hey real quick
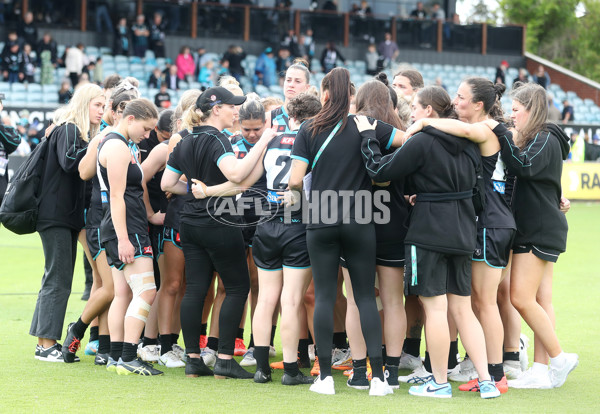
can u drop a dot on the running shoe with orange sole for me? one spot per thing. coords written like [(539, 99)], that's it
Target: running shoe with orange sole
[(473, 385), (348, 372), (316, 369), (239, 348), (279, 364)]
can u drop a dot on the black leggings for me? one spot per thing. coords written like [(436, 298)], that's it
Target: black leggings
[(356, 242), (207, 250)]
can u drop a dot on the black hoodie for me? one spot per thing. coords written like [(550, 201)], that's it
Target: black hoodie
[(536, 200), (436, 163)]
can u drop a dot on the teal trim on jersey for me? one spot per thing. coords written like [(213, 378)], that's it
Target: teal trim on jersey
[(227, 132), (296, 157), (392, 136), (296, 267), (269, 270), (175, 170), (223, 156)]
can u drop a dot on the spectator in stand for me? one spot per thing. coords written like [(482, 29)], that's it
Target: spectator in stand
[(200, 59), (554, 114), (171, 78), (185, 64), (47, 43), (65, 93), (309, 44), (29, 63), (290, 41), (84, 79), (103, 16), (330, 56), (121, 46), (162, 99), (364, 27), (156, 79), (568, 114), (140, 36), (330, 5), (265, 69), (437, 13), (12, 63), (74, 63), (372, 60), (283, 62), (389, 50), (523, 77), (501, 73), (157, 35), (97, 73), (208, 75), (235, 55), (419, 13), (541, 77), (27, 30)]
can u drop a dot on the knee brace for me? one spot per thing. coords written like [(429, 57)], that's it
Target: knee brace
[(139, 283)]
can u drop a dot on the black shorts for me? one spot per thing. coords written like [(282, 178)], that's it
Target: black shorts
[(277, 245), (156, 236), (430, 273), (141, 244), (493, 246), (248, 233), (544, 253), (172, 235), (92, 237), (388, 254)]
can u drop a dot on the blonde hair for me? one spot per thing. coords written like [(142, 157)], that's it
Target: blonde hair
[(78, 110), (271, 102), (187, 100), (231, 84)]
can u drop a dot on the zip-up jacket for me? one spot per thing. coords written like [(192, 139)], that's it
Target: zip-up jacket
[(62, 198), (536, 200)]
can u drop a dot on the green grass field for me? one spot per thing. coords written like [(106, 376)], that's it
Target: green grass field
[(27, 385)]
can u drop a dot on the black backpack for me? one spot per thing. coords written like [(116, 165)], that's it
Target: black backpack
[(20, 206)]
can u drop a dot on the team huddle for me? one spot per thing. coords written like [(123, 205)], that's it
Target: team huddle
[(427, 211)]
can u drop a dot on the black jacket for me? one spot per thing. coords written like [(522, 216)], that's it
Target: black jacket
[(435, 163), (62, 197), (9, 141), (536, 200)]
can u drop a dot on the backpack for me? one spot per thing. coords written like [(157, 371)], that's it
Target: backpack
[(19, 209)]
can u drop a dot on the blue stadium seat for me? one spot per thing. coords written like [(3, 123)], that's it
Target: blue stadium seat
[(50, 89), (106, 50), (4, 87), (17, 87), (195, 85), (135, 59), (16, 96), (121, 58), (34, 87), (35, 97), (149, 55)]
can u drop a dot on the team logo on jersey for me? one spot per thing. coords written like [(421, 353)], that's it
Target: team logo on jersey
[(288, 140), (148, 250), (499, 186), (281, 128), (213, 98), (177, 238)]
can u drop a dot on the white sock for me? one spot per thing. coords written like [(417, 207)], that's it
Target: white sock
[(559, 360), (538, 368)]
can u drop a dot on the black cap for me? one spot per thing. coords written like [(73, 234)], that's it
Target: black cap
[(217, 96)]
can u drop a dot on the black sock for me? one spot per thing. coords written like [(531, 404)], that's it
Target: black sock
[(240, 333), (79, 328), (291, 368), (452, 354), (129, 352), (273, 329), (412, 346), (149, 341), (377, 367), (310, 339), (496, 371), (251, 344), (213, 343), (166, 343), (359, 368), (116, 350), (511, 356), (174, 338), (427, 362), (303, 350), (94, 333), (383, 352), (359, 363), (103, 344), (203, 328), (392, 361), (261, 354), (339, 340)]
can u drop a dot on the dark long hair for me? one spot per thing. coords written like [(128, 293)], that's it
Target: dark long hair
[(373, 99), (337, 83), (438, 98), (489, 93)]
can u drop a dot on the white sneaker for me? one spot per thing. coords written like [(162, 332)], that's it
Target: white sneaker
[(380, 388), (171, 360), (512, 369), (149, 353), (408, 361), (523, 358), (209, 356), (530, 379), (339, 356), (465, 373), (323, 386), (558, 374), (179, 351), (311, 352), (418, 376), (51, 354), (248, 359), (272, 351)]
